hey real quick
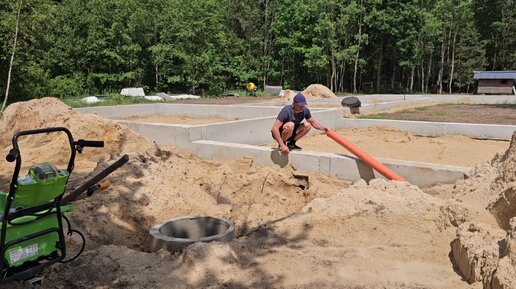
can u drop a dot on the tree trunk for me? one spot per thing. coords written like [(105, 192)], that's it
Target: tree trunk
[(494, 59), (12, 56), (342, 75), (422, 75), (412, 79), (379, 68), (393, 75), (441, 68), (429, 72), (448, 49), (266, 44), (452, 62), (355, 71), (157, 77), (358, 53), (333, 78)]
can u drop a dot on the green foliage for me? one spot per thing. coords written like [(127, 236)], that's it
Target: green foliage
[(67, 85), (85, 47), (373, 116), (421, 108), (508, 106)]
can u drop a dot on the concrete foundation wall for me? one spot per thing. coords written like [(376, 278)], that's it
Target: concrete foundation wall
[(333, 165), (176, 135), (245, 131), (383, 102), (230, 112), (122, 111), (423, 128)]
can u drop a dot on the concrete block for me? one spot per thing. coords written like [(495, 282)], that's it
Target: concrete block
[(273, 90), (132, 91)]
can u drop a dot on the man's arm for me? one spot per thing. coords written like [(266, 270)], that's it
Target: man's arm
[(315, 124), (277, 136)]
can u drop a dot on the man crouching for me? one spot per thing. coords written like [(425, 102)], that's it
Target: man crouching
[(289, 126)]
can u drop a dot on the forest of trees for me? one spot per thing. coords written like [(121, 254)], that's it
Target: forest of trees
[(68, 48)]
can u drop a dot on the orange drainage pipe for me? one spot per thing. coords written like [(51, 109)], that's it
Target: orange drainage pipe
[(370, 161)]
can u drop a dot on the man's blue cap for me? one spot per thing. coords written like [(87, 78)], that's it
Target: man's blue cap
[(300, 99)]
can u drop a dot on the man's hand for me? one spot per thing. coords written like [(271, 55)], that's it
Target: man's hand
[(284, 149)]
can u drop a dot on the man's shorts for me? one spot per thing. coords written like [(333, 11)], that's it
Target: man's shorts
[(296, 126)]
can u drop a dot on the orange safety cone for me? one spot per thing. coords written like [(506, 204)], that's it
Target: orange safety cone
[(370, 161)]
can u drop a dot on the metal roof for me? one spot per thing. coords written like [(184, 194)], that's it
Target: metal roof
[(509, 74)]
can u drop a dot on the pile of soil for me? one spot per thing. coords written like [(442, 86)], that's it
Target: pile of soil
[(318, 91), (54, 147), (484, 251), (313, 91), (293, 230)]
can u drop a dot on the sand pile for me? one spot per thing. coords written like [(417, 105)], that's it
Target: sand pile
[(288, 95), (482, 252), (313, 91), (318, 91), (51, 112), (492, 186), (366, 236), (152, 189)]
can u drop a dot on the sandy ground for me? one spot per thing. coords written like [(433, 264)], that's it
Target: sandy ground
[(389, 143), (174, 119), (293, 230)]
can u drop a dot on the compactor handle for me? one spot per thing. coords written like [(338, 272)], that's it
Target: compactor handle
[(12, 155), (90, 143), (97, 178)]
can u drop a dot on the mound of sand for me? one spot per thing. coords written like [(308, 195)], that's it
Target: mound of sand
[(288, 95), (365, 236), (313, 91), (477, 248), (492, 186), (318, 91), (54, 147)]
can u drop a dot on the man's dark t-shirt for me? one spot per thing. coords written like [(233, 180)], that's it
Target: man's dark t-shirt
[(287, 114)]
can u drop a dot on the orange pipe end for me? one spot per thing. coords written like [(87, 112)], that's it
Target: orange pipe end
[(363, 156)]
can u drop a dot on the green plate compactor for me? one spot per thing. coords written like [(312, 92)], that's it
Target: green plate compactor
[(32, 234)]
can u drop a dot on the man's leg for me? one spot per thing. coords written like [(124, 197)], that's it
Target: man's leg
[(287, 131), (302, 130)]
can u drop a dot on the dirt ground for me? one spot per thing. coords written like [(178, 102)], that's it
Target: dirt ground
[(174, 119), (389, 143), (463, 113), (293, 230), (229, 100)]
